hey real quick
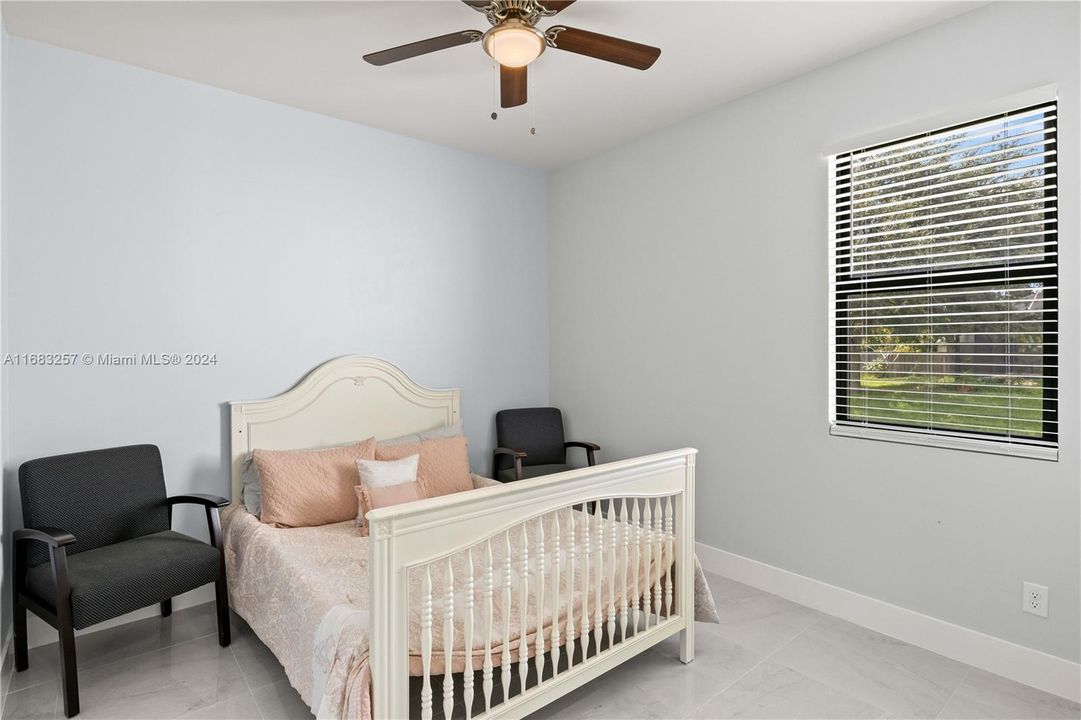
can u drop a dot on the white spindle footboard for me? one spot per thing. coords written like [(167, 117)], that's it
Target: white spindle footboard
[(555, 579)]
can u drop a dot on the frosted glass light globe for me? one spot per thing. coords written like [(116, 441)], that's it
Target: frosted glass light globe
[(514, 44)]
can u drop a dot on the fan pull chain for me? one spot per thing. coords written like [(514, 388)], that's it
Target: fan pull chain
[(495, 89), (532, 77)]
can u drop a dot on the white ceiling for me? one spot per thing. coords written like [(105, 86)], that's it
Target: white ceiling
[(308, 55)]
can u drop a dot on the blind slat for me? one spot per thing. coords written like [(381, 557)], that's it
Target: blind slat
[(945, 428), (997, 333), (951, 303), (881, 392), (858, 319), (882, 411), (956, 264), (926, 242), (992, 440), (934, 376), (944, 280), (926, 353)]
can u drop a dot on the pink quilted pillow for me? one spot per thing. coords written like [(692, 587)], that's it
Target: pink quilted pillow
[(371, 498), (444, 463), (304, 488)]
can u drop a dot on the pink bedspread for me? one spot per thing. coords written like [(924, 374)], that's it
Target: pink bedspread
[(304, 591)]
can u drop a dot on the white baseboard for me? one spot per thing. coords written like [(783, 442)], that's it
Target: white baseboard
[(1040, 670), (39, 632)]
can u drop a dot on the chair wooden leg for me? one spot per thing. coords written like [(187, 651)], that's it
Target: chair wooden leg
[(167, 607), (221, 593), (22, 653), (68, 672)]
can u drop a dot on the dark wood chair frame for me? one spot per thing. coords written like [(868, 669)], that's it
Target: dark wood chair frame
[(519, 455), (61, 619)]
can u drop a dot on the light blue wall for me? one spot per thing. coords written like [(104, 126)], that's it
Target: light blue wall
[(152, 214)]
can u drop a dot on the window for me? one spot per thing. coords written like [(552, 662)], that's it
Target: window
[(944, 281)]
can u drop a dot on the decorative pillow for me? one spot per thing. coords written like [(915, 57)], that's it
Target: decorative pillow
[(433, 434), (382, 473), (444, 464), (250, 490), (303, 488), (370, 498), (375, 474), (483, 482)]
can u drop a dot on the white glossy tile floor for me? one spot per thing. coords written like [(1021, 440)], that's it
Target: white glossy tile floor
[(769, 658)]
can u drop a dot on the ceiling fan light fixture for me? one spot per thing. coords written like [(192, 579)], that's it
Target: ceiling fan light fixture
[(513, 43)]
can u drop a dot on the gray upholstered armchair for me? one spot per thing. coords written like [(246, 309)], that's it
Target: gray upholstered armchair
[(98, 544), (531, 443)]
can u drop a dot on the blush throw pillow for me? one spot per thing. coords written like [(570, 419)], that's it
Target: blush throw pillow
[(378, 474), (304, 488), (444, 463), (370, 498)]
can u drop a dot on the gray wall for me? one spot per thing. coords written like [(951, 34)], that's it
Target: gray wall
[(151, 214), (688, 307)]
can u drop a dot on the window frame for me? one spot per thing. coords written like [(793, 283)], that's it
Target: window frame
[(1004, 275)]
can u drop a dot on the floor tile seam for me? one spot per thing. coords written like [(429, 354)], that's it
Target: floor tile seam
[(111, 662), (244, 677), (751, 669), (771, 657), (964, 676), (890, 662)]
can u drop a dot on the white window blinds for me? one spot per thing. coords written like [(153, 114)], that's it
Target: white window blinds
[(944, 312)]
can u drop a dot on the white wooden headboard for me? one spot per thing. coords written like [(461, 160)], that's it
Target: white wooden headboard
[(346, 399)]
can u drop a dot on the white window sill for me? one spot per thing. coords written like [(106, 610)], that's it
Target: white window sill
[(996, 447)]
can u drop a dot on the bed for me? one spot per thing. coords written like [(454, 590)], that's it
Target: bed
[(487, 603)]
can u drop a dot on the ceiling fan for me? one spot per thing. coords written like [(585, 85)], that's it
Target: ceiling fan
[(513, 41)]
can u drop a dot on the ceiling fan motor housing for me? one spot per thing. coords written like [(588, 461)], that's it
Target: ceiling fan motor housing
[(528, 11)]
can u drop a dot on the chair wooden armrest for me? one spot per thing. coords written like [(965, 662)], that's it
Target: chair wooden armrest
[(212, 503), (590, 449), (199, 499), (53, 537), (518, 455)]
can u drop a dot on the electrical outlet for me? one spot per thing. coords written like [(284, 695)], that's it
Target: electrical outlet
[(1034, 599)]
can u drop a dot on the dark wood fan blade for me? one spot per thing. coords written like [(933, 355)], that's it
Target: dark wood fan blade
[(603, 47), (556, 6), (512, 86), (423, 47)]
